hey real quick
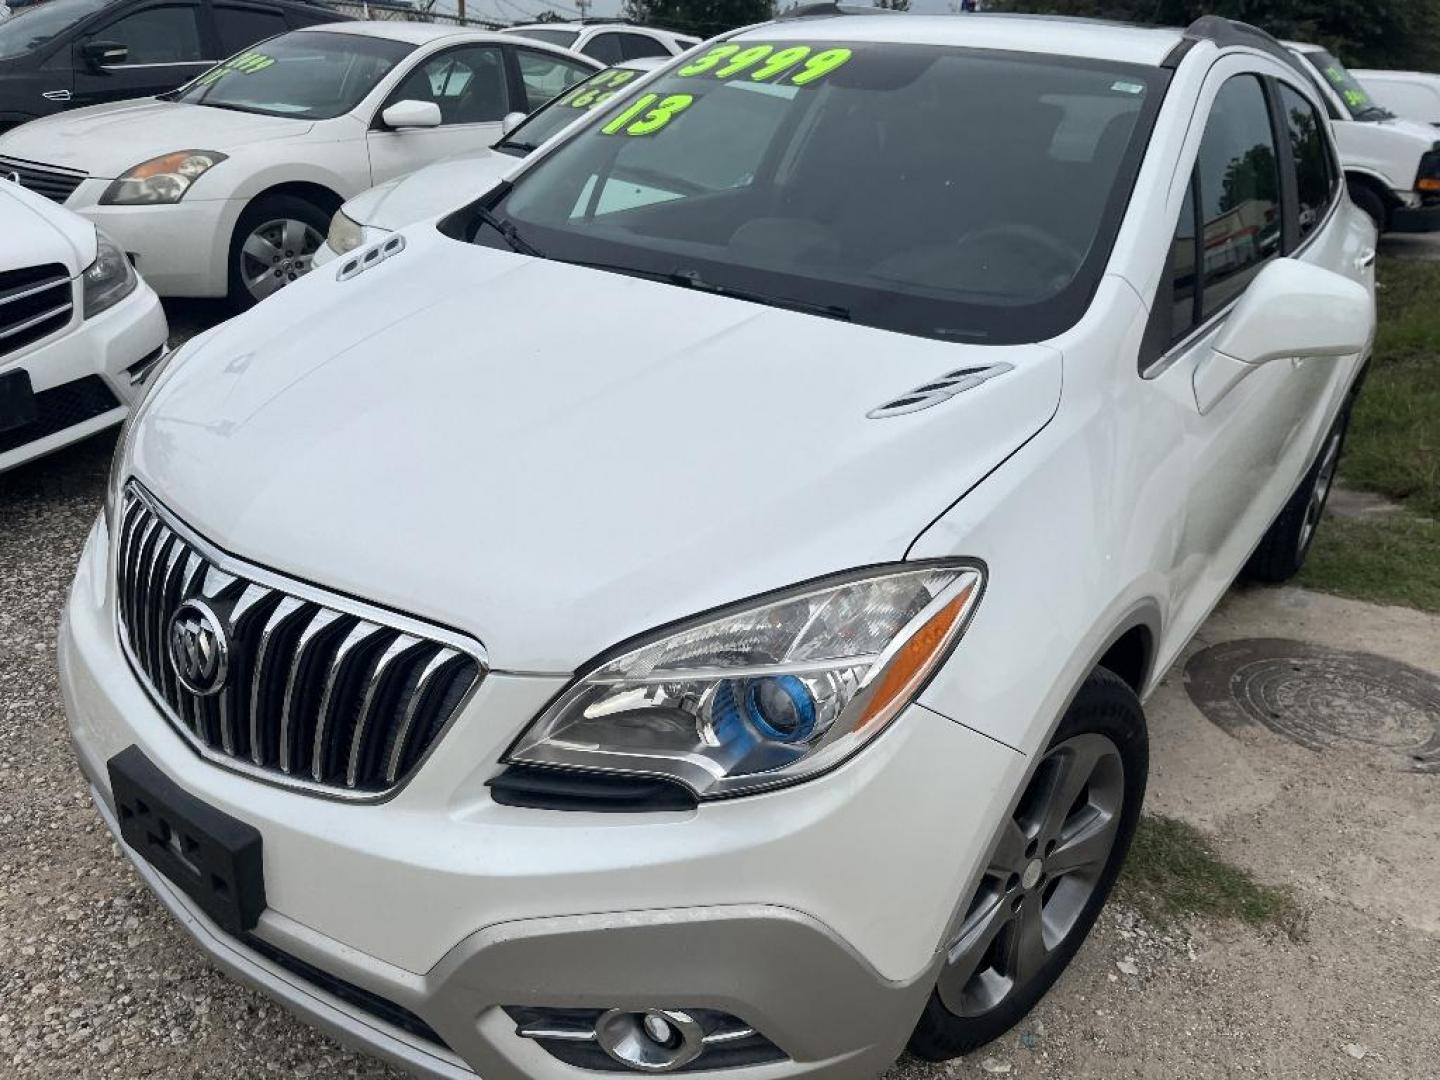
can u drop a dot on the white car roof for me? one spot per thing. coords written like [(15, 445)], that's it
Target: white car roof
[(1087, 38), (578, 27), (413, 32)]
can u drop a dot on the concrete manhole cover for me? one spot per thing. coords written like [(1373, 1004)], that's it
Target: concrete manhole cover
[(1321, 698)]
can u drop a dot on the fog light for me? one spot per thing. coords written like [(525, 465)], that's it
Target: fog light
[(657, 1040)]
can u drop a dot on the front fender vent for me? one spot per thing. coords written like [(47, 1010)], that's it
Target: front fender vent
[(938, 390)]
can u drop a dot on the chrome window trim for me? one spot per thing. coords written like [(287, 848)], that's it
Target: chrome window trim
[(226, 563)]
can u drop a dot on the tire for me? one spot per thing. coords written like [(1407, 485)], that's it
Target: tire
[(1371, 201), (260, 236), (1101, 741), (1287, 542)]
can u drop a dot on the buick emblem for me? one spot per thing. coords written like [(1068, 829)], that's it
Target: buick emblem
[(199, 648)]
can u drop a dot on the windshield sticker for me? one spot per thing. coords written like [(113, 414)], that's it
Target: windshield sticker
[(246, 63), (1128, 87), (1356, 99), (598, 91), (632, 122), (798, 65)]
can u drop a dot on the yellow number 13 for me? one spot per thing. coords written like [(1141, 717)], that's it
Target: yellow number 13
[(632, 123)]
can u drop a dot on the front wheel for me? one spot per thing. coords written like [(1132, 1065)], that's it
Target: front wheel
[(274, 244), (1053, 868), (1370, 200), (1286, 543)]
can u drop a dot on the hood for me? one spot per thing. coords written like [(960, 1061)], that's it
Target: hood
[(554, 459), (1389, 148), (36, 231), (106, 140), (429, 192)]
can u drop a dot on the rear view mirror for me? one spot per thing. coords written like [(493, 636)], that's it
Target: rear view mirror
[(103, 54), (511, 122), (1292, 310), (411, 114)]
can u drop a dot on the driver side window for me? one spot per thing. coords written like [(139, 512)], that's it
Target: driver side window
[(157, 35)]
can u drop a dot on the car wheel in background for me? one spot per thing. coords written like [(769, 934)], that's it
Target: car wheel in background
[(1371, 201), (1053, 868), (1285, 544), (274, 244)]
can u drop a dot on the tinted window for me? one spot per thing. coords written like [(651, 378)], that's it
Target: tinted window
[(163, 35), (31, 27), (605, 48), (313, 74), (467, 83), (546, 75), (1314, 167), (637, 45), (242, 26), (1239, 191), (1182, 271), (861, 179)]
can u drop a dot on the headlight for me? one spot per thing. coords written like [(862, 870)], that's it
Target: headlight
[(346, 234), (109, 279), (162, 179), (767, 693)]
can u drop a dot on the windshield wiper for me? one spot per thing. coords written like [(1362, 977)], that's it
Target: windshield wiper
[(691, 279), (515, 144), (1374, 112), (508, 233)]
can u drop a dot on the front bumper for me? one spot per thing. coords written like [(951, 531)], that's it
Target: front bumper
[(1416, 219), (182, 249), (102, 348), (815, 914)]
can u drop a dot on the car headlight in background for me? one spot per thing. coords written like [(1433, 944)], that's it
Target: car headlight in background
[(160, 180), (769, 692), (109, 279), (346, 234)]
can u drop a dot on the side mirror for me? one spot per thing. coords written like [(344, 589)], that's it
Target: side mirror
[(511, 122), (1291, 310), (411, 114), (103, 54)]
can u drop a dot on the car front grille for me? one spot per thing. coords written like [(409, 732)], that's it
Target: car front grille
[(62, 407), (317, 691), (53, 183), (34, 303)]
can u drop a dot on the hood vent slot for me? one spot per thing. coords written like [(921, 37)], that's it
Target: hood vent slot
[(938, 390)]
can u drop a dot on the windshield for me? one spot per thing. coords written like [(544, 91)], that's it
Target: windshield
[(307, 74), (561, 111), (1356, 97), (946, 192), (564, 38), (31, 27)]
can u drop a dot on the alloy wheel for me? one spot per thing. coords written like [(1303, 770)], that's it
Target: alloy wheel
[(1050, 859), (276, 253), (1320, 491)]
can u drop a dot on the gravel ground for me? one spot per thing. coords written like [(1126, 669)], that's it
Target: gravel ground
[(95, 980)]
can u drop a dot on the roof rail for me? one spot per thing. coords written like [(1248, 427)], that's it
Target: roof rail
[(831, 8), (1226, 32)]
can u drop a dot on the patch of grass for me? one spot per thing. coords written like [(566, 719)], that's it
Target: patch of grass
[(1173, 873), (1385, 559), (1394, 445)]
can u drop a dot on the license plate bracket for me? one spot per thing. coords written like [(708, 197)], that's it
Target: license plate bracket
[(211, 857), (17, 401)]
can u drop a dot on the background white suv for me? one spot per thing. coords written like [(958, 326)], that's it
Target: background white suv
[(608, 42), (692, 609)]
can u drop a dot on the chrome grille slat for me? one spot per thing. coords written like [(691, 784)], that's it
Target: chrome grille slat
[(321, 693), (47, 180), (35, 302)]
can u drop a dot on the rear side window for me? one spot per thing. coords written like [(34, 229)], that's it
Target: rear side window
[(1315, 173), (1239, 181), (636, 46), (605, 48), (240, 27)]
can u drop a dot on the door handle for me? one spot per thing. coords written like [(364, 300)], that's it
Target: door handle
[(1365, 260)]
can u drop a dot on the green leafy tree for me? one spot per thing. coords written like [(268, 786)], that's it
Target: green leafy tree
[(893, 5), (549, 16), (703, 18)]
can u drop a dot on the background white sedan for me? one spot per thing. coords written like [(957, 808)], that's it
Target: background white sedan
[(226, 186)]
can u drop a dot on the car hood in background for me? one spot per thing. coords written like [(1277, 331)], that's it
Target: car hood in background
[(106, 140), (34, 231), (429, 192), (433, 436)]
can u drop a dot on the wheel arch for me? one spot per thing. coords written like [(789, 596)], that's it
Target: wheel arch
[(1374, 181), (322, 196)]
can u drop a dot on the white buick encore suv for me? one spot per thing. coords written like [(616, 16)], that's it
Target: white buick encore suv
[(689, 609)]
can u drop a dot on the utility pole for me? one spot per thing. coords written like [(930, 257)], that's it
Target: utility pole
[(582, 6)]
